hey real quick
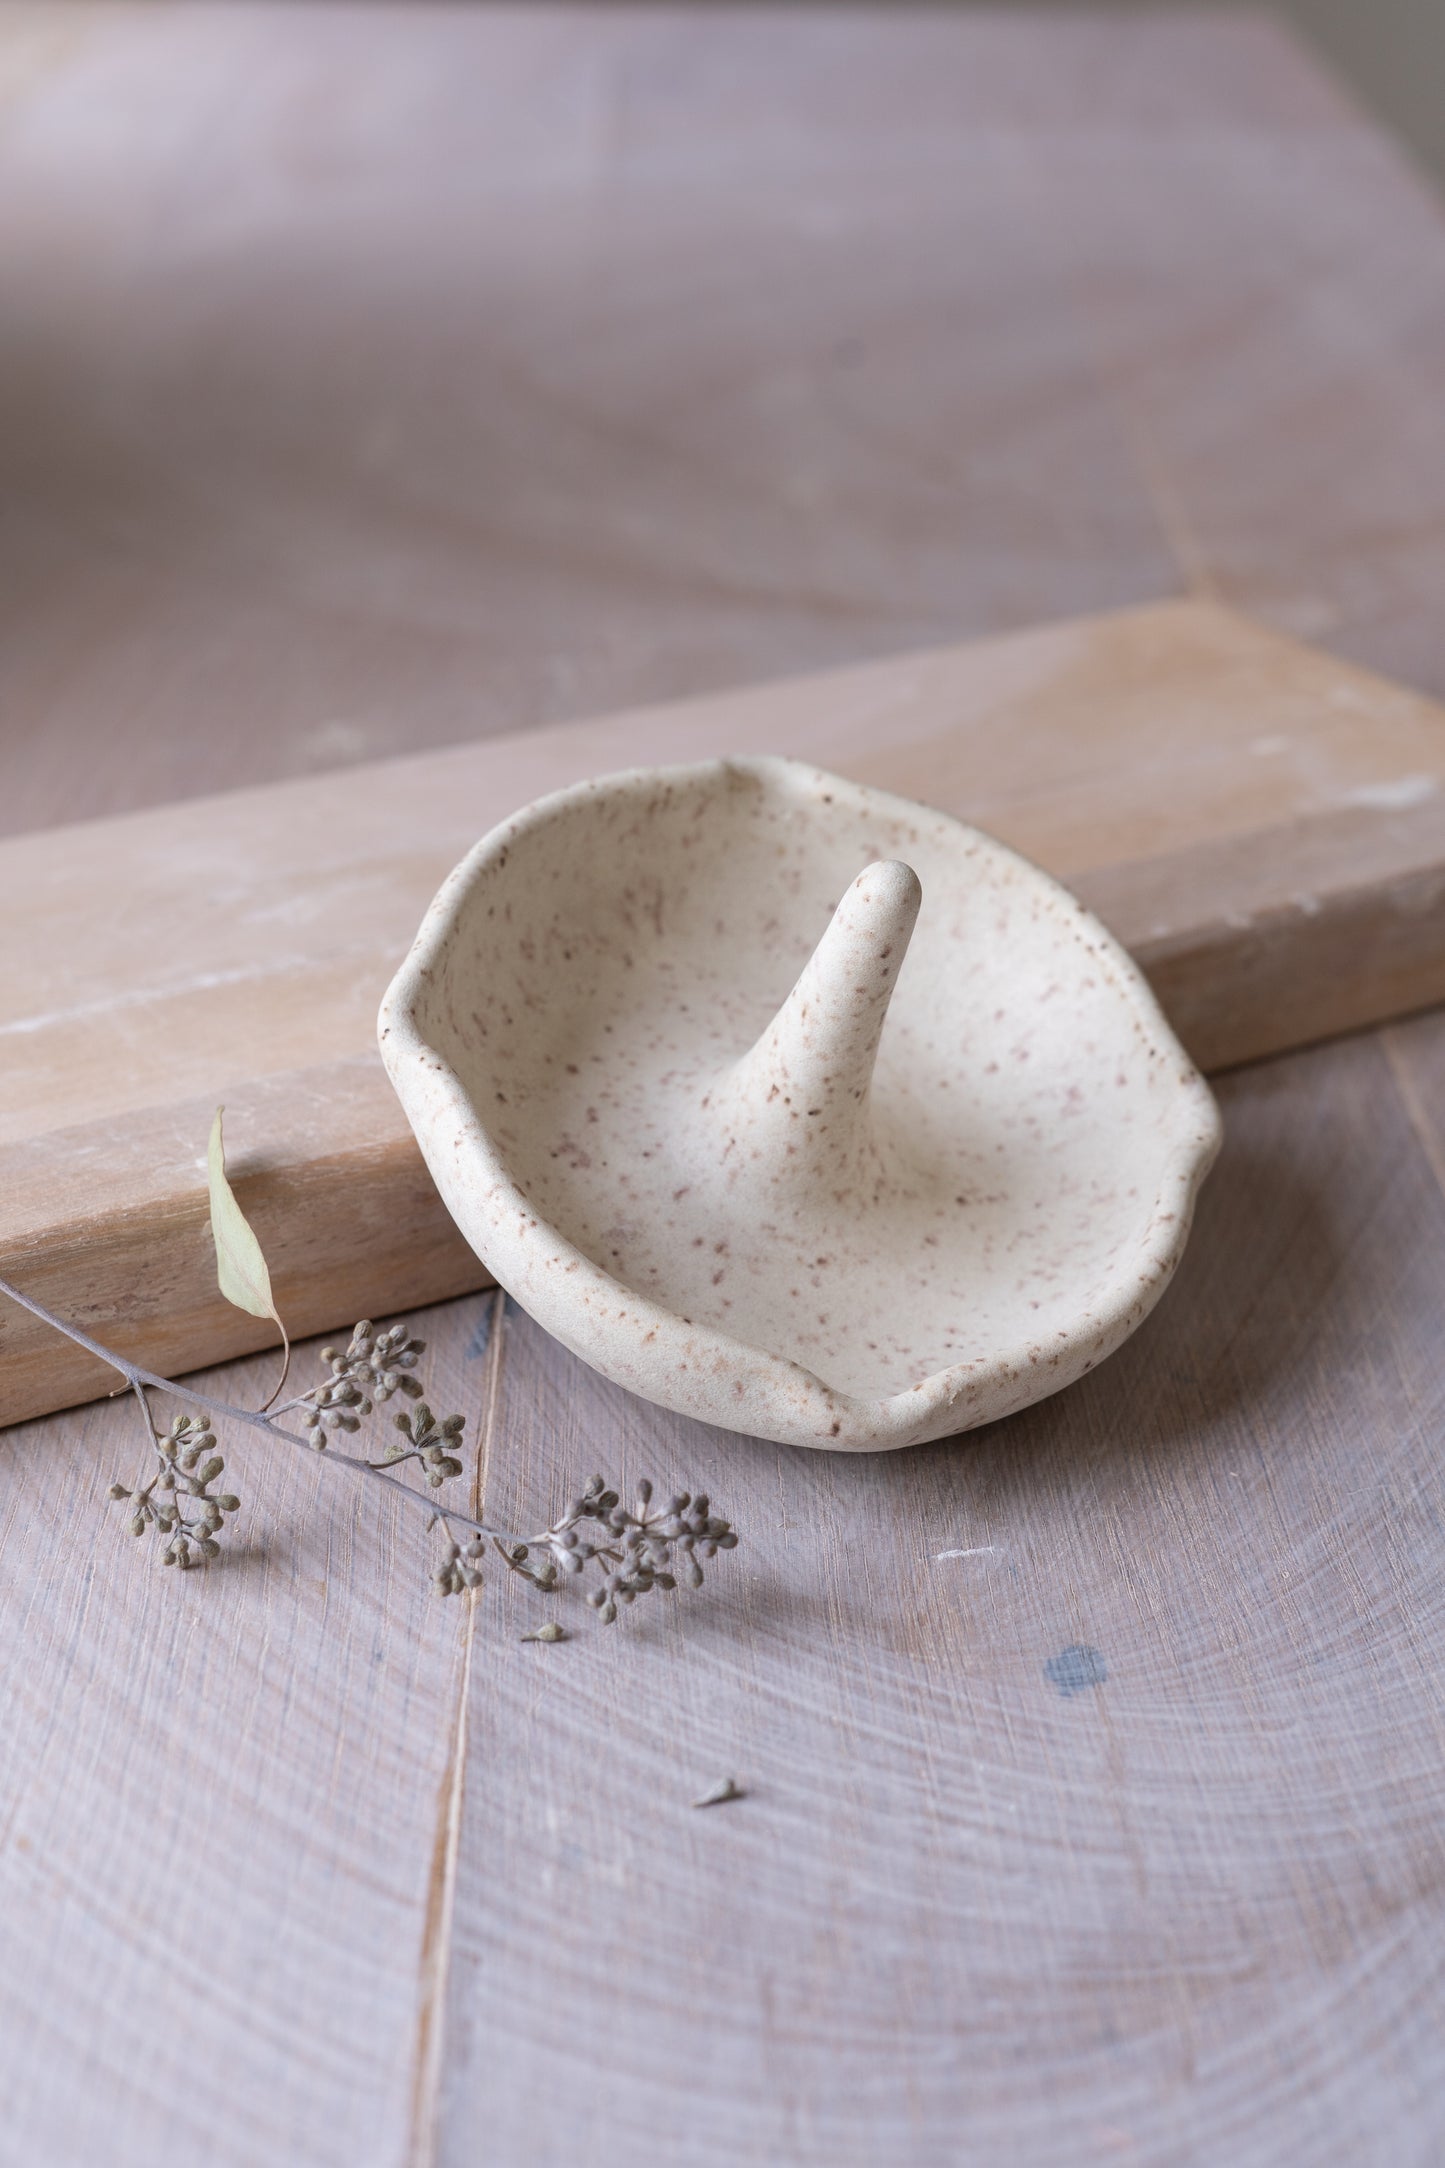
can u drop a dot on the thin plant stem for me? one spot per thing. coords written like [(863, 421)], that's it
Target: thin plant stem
[(285, 1372), (137, 1378), (639, 1550)]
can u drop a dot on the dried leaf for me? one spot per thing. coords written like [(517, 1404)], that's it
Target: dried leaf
[(718, 1794), (241, 1270)]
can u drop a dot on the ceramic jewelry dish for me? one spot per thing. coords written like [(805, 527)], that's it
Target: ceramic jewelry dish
[(794, 1106)]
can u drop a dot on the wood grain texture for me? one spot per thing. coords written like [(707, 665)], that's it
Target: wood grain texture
[(402, 375), (411, 374), (220, 1808), (1115, 1836), (1093, 1774), (1262, 825)]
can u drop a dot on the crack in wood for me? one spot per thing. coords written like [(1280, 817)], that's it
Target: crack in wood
[(435, 1967)]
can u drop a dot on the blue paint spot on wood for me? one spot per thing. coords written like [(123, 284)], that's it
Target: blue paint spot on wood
[(1076, 1668)]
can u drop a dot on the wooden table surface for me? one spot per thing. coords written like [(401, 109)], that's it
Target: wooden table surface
[(370, 378)]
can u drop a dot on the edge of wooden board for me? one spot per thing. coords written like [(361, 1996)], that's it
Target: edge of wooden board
[(1261, 941)]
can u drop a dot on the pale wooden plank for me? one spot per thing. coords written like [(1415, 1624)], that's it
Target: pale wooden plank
[(179, 952), (574, 498), (1263, 826), (971, 1909)]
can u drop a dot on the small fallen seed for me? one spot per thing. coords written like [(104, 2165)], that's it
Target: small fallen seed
[(550, 1632), (718, 1793)]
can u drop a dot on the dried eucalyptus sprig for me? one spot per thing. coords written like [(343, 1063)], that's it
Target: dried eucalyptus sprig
[(186, 1513), (633, 1552), (367, 1372), (637, 1550)]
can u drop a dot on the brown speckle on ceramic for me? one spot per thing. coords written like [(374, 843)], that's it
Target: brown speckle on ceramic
[(794, 1106)]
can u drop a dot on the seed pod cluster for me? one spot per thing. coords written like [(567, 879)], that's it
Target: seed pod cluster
[(431, 1442), (458, 1570), (638, 1549), (178, 1502), (655, 1546), (364, 1375)]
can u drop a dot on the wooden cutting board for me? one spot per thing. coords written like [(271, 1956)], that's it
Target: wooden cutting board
[(1262, 825)]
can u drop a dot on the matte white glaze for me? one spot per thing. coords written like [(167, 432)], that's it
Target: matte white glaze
[(705, 1098)]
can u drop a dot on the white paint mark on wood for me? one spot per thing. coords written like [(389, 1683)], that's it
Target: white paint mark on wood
[(194, 982), (1396, 795)]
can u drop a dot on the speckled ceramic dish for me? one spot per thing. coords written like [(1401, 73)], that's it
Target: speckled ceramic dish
[(723, 1118)]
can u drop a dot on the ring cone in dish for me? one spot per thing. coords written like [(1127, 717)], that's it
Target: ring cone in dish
[(795, 1106)]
